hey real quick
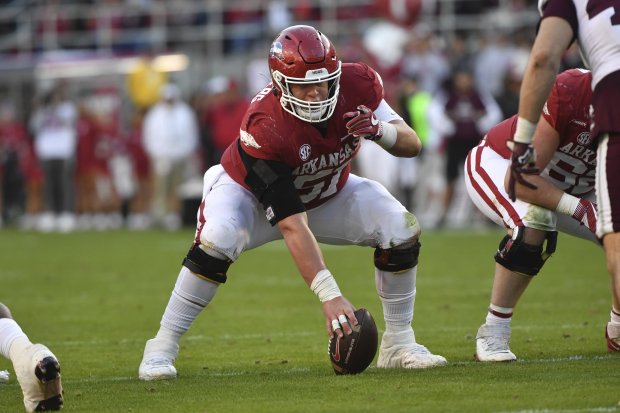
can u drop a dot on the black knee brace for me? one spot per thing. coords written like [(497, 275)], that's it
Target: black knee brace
[(397, 259), (203, 264), (523, 258)]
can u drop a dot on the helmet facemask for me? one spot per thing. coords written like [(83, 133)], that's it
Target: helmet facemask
[(309, 111)]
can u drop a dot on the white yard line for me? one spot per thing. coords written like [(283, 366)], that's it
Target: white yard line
[(582, 410)]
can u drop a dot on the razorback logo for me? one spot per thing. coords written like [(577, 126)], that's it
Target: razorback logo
[(248, 140)]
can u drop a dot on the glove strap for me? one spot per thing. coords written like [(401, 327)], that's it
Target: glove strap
[(390, 134)]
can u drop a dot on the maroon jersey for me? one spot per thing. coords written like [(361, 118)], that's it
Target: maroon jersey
[(318, 158), (596, 25), (573, 165)]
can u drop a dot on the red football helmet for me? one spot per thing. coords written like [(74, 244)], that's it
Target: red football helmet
[(302, 55)]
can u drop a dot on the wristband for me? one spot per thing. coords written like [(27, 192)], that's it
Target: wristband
[(525, 131), (567, 205), (324, 286), (390, 134)]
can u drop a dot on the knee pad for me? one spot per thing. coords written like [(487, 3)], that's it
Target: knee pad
[(397, 259), (205, 265), (514, 254)]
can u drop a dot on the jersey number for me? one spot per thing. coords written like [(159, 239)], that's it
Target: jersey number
[(321, 184), (572, 173), (595, 7)]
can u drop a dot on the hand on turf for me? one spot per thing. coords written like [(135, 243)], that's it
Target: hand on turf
[(522, 162), (363, 123), (586, 214), (332, 309)]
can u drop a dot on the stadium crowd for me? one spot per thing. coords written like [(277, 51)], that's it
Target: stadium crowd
[(91, 157)]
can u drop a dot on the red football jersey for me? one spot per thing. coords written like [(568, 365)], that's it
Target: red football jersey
[(573, 165), (319, 159)]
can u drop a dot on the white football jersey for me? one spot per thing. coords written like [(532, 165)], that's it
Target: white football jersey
[(598, 31), (599, 36)]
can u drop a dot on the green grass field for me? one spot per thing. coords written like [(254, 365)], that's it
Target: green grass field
[(94, 298)]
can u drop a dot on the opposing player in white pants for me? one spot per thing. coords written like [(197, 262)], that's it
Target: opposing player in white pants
[(288, 177), (36, 367), (566, 155)]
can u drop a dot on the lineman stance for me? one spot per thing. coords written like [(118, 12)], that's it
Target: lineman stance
[(563, 200), (36, 368), (595, 25), (288, 176)]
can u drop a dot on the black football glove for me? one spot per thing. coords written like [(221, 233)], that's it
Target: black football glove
[(522, 162)]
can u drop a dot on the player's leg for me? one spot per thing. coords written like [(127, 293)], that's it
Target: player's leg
[(395, 281), (373, 217), (228, 219), (519, 256), (608, 225), (451, 174), (36, 367)]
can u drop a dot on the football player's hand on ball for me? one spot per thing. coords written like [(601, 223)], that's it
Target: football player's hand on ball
[(339, 314), (586, 214), (363, 123)]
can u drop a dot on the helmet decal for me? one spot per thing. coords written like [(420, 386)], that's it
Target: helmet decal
[(276, 51)]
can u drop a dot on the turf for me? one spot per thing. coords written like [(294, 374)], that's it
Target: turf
[(94, 298)]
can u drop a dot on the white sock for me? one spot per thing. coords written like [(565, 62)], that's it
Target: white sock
[(397, 293), (9, 332), (615, 317), (190, 295), (498, 315)]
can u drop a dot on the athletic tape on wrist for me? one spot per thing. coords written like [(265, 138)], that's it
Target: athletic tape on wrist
[(324, 286), (390, 134), (524, 131), (567, 205)]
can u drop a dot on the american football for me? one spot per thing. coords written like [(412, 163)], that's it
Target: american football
[(352, 354)]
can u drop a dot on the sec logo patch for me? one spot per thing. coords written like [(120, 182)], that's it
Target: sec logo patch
[(304, 152)]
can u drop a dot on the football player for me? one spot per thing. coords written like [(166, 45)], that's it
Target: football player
[(36, 368), (562, 201), (596, 27), (288, 176)]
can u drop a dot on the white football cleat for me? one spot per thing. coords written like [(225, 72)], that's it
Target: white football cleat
[(158, 360), (399, 350), (38, 374), (492, 343)]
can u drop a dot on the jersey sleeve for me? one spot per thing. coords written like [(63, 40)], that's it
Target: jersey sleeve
[(258, 138), (564, 9), (365, 82)]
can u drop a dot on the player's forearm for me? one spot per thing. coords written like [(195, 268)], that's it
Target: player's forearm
[(534, 91), (407, 143), (303, 246), (552, 40), (546, 195)]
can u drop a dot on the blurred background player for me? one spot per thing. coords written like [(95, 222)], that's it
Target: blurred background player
[(461, 114), (55, 141), (170, 138), (37, 369), (222, 110), (293, 158), (596, 28), (563, 200)]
